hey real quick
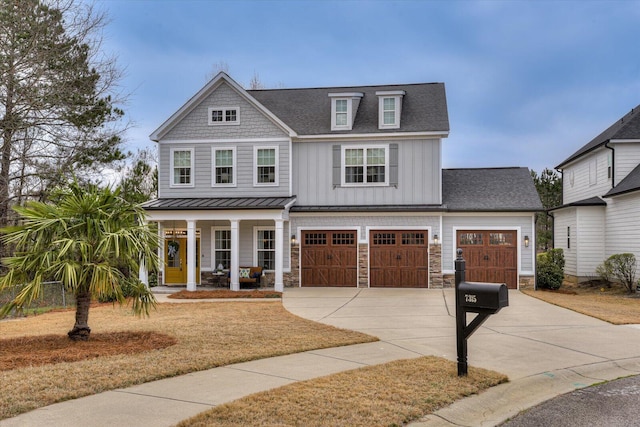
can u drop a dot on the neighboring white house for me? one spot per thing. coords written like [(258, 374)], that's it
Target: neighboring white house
[(600, 214), (338, 186)]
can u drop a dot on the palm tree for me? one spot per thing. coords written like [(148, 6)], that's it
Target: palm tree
[(89, 239)]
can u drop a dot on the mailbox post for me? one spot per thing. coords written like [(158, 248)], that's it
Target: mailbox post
[(484, 299)]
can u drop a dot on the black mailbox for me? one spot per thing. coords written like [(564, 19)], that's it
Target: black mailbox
[(486, 298)]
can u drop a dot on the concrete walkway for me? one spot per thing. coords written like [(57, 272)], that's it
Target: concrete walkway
[(545, 351)]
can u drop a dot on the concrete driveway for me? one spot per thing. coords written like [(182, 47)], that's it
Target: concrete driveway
[(545, 350)]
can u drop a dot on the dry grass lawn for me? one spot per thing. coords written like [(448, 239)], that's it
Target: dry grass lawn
[(612, 305), (218, 333), (391, 394)]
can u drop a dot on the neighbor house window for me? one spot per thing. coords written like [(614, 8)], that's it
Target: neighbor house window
[(568, 237), (266, 166), (224, 116), (182, 167), (365, 165), (266, 248), (224, 170), (222, 248)]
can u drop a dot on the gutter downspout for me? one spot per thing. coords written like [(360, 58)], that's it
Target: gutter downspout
[(613, 162)]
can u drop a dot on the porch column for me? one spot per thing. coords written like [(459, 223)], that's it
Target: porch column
[(279, 285), (143, 274), (235, 255), (191, 255)]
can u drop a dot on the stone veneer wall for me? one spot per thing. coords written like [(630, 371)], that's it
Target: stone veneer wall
[(363, 265), (435, 267), (293, 278)]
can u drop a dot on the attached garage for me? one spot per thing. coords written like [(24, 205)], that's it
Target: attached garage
[(399, 258), (490, 256), (329, 258)]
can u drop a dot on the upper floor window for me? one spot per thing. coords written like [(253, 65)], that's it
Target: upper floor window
[(389, 108), (343, 109), (224, 169), (365, 165), (182, 167), (224, 116), (266, 166), (341, 112)]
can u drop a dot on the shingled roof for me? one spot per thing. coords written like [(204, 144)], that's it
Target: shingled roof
[(308, 111), (490, 189), (628, 127), (630, 183)]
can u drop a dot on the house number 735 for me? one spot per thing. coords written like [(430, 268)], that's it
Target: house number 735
[(470, 298)]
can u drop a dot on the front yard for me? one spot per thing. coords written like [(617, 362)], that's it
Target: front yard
[(611, 304), (40, 366)]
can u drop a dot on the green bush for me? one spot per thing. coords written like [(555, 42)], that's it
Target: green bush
[(605, 272), (550, 269), (623, 268)]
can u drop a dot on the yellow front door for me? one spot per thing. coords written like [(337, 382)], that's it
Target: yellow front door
[(175, 260)]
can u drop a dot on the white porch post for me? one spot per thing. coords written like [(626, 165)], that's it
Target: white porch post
[(161, 249), (143, 273), (191, 255), (235, 255), (279, 284)]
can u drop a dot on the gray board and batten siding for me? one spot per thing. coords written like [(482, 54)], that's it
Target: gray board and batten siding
[(414, 181)]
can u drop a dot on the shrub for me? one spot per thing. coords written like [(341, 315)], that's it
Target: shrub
[(605, 272), (550, 269), (623, 268)]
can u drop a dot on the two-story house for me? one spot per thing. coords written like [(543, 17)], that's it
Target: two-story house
[(601, 199), (338, 186)]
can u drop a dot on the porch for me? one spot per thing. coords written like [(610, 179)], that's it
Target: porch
[(200, 237)]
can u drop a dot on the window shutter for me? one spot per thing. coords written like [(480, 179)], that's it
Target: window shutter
[(337, 166), (393, 165)]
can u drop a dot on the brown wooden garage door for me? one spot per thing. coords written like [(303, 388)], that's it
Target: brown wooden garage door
[(399, 258), (490, 256), (329, 258)]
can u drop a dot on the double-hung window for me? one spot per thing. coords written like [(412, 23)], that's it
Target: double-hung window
[(341, 113), (389, 108), (365, 165), (224, 116), (266, 165), (224, 169), (266, 248), (182, 167), (222, 248)]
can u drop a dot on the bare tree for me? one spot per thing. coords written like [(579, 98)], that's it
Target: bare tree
[(255, 82), (216, 68)]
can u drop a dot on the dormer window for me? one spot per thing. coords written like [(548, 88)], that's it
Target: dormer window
[(390, 107), (224, 116), (344, 107)]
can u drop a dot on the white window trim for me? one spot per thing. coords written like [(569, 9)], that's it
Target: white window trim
[(334, 113), (233, 166), (343, 166), (172, 183), (224, 122), (255, 166), (256, 229), (214, 261), (397, 95), (343, 96)]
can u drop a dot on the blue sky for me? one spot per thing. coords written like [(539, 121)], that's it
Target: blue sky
[(528, 82)]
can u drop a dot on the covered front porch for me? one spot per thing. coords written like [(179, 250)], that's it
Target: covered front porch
[(204, 236)]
